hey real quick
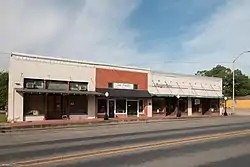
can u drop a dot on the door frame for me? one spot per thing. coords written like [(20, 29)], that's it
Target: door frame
[(137, 109), (114, 100)]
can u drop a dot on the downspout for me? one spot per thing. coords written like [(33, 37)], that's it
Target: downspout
[(13, 106)]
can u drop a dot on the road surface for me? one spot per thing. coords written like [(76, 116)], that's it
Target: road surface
[(208, 142)]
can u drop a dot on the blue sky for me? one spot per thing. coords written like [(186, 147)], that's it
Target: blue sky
[(171, 35)]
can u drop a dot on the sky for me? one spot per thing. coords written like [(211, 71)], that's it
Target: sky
[(169, 35)]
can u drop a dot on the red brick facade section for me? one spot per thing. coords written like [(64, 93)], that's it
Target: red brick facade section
[(122, 116), (105, 76)]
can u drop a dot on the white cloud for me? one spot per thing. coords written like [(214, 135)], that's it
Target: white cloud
[(222, 36), (91, 29), (25, 26), (97, 30)]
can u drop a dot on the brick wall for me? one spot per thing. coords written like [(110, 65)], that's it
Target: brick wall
[(105, 76)]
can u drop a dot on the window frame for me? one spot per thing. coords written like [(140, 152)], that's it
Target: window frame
[(116, 106), (143, 106), (106, 104)]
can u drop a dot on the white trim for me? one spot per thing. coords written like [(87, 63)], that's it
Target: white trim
[(138, 111), (114, 100), (34, 118), (116, 113), (126, 107), (17, 54)]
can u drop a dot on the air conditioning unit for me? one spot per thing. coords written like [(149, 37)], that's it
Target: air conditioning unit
[(39, 84), (30, 85), (78, 87), (82, 87), (74, 87)]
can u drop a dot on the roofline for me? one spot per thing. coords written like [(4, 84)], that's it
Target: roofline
[(185, 75), (107, 65), (76, 61)]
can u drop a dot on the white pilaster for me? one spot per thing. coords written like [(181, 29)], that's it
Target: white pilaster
[(190, 106), (91, 107), (149, 105), (221, 108)]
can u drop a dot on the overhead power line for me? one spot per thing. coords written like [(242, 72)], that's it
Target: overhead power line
[(180, 62), (4, 53)]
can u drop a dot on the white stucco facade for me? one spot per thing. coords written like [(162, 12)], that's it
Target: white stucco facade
[(184, 85), (47, 68), (169, 84), (26, 66)]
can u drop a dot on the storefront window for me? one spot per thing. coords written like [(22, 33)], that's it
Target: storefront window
[(34, 104), (78, 104), (121, 106), (215, 105), (158, 105), (141, 107), (102, 105)]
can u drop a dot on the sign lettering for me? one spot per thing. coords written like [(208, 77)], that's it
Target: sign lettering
[(157, 85), (123, 86)]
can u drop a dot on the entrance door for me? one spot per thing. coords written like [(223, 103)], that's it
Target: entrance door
[(132, 107), (55, 107), (111, 108)]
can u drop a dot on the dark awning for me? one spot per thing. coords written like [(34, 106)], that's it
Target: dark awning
[(25, 90), (127, 93)]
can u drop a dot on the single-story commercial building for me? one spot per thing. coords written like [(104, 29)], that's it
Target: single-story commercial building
[(44, 88), (126, 93), (49, 88), (189, 94)]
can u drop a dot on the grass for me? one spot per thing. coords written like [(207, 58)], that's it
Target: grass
[(3, 118)]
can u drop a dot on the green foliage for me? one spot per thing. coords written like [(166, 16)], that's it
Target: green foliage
[(242, 81), (3, 89)]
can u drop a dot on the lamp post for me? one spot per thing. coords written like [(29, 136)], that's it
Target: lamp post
[(178, 114), (225, 106), (106, 116), (234, 76)]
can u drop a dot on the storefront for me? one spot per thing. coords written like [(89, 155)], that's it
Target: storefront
[(126, 93), (172, 93), (60, 89), (71, 89), (52, 99)]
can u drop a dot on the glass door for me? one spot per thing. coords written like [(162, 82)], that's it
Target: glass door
[(111, 107)]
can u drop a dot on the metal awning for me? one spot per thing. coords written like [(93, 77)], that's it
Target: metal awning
[(46, 91), (207, 97), (125, 93), (192, 96), (162, 95)]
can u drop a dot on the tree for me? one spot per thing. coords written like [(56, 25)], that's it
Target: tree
[(4, 77), (242, 81)]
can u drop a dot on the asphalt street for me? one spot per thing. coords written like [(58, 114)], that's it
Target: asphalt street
[(188, 143)]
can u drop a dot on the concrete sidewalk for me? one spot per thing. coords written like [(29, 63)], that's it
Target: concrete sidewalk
[(36, 125)]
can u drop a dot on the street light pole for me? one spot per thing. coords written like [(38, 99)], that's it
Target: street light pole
[(234, 77), (225, 106), (178, 114)]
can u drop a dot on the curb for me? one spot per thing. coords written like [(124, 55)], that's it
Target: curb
[(5, 129)]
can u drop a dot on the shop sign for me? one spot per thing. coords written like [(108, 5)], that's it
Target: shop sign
[(123, 86), (157, 85)]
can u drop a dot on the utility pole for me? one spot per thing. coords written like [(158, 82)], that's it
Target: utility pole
[(234, 77)]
